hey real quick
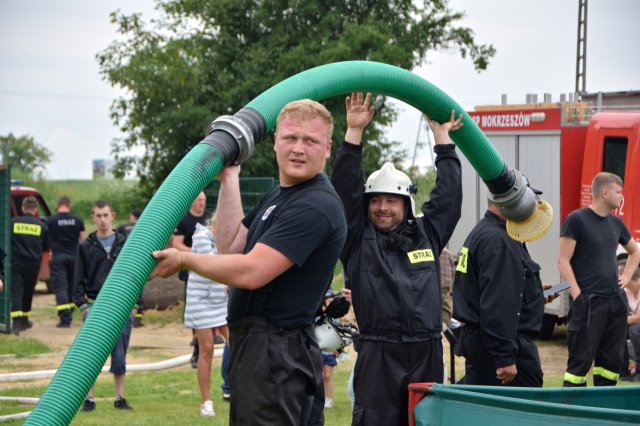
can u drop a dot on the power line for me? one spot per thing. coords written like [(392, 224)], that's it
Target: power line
[(52, 95)]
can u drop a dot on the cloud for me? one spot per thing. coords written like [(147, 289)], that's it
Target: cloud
[(72, 154)]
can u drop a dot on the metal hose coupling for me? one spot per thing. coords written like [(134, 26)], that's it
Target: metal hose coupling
[(528, 216), (518, 202), (241, 133)]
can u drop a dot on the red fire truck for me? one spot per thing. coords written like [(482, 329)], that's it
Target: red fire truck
[(560, 147)]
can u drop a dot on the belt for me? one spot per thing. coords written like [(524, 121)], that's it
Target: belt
[(256, 324)]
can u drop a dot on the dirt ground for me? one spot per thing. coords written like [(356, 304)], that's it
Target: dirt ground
[(158, 342), (151, 343)]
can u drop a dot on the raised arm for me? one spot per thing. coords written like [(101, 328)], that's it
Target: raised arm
[(359, 115), (347, 176), (232, 234), (443, 210), (441, 130)]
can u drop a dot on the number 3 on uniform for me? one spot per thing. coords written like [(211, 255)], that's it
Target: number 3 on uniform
[(462, 260)]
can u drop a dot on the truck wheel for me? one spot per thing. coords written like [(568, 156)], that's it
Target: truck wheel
[(548, 323)]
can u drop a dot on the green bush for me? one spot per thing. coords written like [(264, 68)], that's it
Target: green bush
[(124, 195)]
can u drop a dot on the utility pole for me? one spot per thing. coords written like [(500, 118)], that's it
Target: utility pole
[(581, 56), (419, 143)]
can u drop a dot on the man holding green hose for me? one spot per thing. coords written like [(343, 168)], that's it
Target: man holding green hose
[(278, 260)]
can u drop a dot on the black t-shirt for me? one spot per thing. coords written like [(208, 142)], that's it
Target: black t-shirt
[(64, 230), (594, 259), (187, 226), (310, 231)]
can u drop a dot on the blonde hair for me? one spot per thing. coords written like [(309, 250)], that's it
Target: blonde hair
[(306, 109), (603, 180)]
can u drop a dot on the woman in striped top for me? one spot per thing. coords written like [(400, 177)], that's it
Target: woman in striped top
[(205, 310)]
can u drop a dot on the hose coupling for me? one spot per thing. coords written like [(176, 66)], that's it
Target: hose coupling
[(240, 131), (519, 202)]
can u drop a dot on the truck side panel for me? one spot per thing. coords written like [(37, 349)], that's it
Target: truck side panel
[(474, 191), (571, 154)]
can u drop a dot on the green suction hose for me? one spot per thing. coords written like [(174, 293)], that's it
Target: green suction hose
[(231, 141), (98, 334), (356, 76)]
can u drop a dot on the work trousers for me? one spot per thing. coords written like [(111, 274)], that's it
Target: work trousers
[(596, 334), (62, 267), (382, 374), (274, 373), (480, 368), (24, 277)]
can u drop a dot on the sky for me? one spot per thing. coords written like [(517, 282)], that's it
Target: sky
[(51, 89)]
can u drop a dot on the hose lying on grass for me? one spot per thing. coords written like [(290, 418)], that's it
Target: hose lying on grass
[(45, 374)]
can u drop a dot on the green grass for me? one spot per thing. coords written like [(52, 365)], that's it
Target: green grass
[(171, 397), (21, 346), (171, 315), (165, 398)]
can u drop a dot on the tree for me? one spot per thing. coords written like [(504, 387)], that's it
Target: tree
[(24, 153), (424, 184), (204, 58)]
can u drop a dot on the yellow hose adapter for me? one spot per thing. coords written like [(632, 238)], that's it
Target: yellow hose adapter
[(533, 227)]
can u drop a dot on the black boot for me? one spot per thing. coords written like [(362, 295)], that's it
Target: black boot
[(26, 323), (65, 318), (16, 326)]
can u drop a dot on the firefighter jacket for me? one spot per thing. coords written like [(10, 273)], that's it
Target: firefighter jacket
[(93, 265), (395, 276), (29, 238), (497, 290)]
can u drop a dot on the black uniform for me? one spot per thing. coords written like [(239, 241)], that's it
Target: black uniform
[(395, 282), (277, 385), (598, 318), (29, 238), (497, 293), (64, 229)]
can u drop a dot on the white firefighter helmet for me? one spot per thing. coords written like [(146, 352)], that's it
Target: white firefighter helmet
[(332, 334), (389, 180)]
